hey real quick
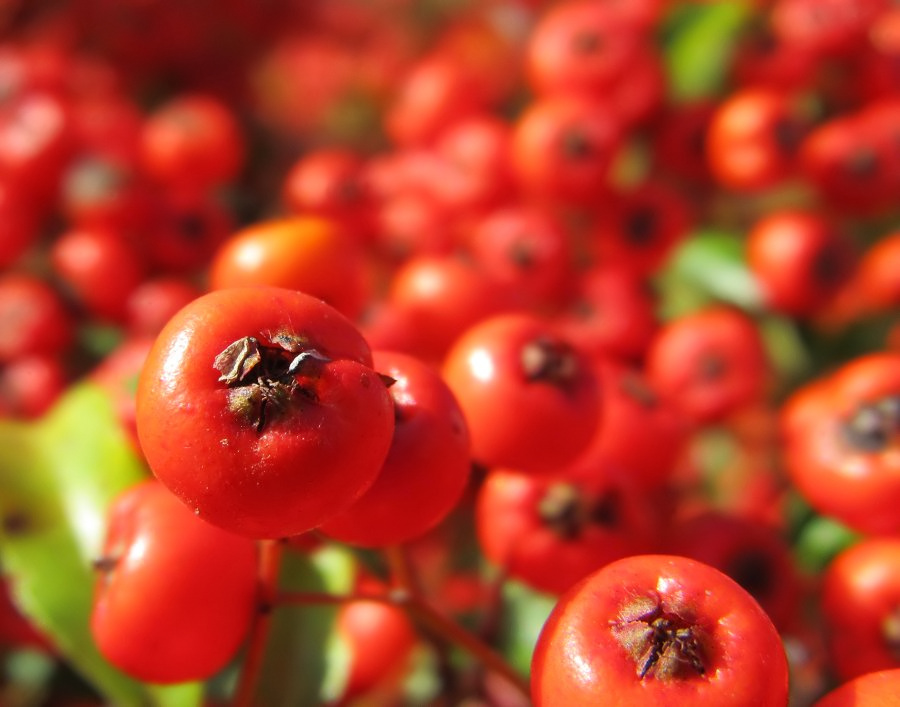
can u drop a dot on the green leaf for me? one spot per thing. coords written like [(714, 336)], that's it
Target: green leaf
[(820, 539), (31, 672), (57, 478), (99, 340), (524, 613), (698, 44), (707, 267), (189, 694), (88, 462), (710, 268), (790, 356), (306, 663), (422, 684)]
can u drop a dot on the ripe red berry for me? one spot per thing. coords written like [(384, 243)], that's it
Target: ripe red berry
[(258, 407), (175, 595)]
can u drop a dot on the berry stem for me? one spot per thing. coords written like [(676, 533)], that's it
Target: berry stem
[(429, 618), (453, 632), (402, 572), (270, 552), (406, 581)]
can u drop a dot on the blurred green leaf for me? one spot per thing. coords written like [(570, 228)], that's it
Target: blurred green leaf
[(699, 40), (99, 340), (707, 267), (422, 685), (57, 478), (27, 675), (789, 353), (306, 663), (714, 450), (524, 613), (819, 540)]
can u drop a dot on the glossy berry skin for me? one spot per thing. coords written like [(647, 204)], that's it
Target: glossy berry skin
[(876, 689), (752, 553), (640, 435), (412, 223), (474, 155), (35, 317), (307, 253), (753, 138), (552, 531), (531, 399), (860, 596), (709, 363), (100, 268), (176, 595), (155, 301), (379, 638), (439, 298), (638, 95), (640, 228), (580, 46), (330, 183), (679, 140), (258, 407), (850, 159), (825, 27), (527, 250), (800, 260), (103, 190), (193, 143), (186, 231), (612, 314), (30, 384), (841, 443), (426, 469), (19, 222), (35, 143), (563, 148), (435, 92), (875, 285), (658, 630)]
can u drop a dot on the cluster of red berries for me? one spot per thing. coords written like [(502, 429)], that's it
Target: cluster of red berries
[(591, 302)]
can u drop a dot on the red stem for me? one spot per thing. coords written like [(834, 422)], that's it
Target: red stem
[(269, 569), (430, 618), (403, 575)]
